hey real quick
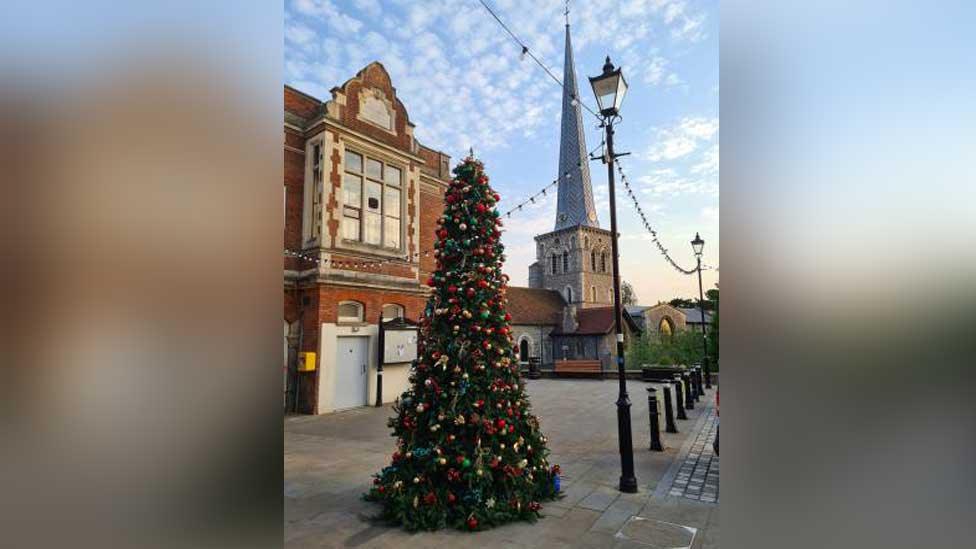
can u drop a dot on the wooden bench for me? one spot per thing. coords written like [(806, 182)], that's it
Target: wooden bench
[(578, 368)]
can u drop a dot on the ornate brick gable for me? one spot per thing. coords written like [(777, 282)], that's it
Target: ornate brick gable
[(358, 104)]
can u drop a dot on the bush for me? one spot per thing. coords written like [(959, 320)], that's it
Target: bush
[(682, 348)]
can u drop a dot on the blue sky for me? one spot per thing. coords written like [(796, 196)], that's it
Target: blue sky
[(465, 84)]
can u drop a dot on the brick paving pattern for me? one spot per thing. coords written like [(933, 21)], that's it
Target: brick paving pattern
[(698, 476)]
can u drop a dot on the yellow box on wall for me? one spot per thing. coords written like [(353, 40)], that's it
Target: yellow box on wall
[(306, 362)]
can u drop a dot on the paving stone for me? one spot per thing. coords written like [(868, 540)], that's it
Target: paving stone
[(657, 534), (599, 499)]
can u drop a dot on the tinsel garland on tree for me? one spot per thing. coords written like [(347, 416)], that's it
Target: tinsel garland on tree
[(469, 453)]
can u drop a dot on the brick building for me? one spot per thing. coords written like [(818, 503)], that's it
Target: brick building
[(361, 199)]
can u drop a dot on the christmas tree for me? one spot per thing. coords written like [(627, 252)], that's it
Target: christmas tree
[(469, 453)]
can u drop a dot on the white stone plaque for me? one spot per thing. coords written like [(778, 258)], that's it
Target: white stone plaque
[(376, 111)]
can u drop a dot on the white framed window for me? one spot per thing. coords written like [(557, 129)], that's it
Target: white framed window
[(350, 311), (315, 225), (372, 201), (392, 310)]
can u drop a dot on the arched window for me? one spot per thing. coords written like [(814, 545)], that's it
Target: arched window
[(665, 328), (524, 350), (572, 242), (586, 242), (392, 310), (555, 263), (593, 260), (565, 262), (569, 294), (350, 311), (603, 262)]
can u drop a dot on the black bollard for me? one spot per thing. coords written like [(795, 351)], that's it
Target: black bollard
[(669, 426), (689, 391), (679, 393), (701, 380), (655, 426), (699, 390), (694, 385)]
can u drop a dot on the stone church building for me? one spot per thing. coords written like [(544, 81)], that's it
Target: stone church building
[(566, 313)]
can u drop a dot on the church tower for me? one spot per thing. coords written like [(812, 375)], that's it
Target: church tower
[(574, 259)]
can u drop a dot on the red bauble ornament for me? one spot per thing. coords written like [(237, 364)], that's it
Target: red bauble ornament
[(470, 292), (442, 233), (482, 283), (430, 282), (472, 523), (452, 289), (480, 207), (430, 498), (451, 498)]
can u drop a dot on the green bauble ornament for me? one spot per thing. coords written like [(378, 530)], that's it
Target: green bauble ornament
[(466, 463), (484, 315)]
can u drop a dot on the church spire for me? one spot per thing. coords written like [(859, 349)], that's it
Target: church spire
[(575, 203)]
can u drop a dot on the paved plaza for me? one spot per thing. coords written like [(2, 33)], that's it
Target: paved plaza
[(329, 461)]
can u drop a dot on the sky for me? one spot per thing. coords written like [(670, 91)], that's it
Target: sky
[(466, 85)]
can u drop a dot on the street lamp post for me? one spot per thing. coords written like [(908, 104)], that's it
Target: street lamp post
[(609, 89), (697, 244)]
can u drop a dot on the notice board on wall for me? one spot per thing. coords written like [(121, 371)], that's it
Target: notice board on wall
[(399, 341)]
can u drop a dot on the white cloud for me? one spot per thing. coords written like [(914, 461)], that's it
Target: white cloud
[(690, 29), (667, 182), (334, 17), (682, 139), (709, 163), (709, 213), (299, 34), (369, 7)]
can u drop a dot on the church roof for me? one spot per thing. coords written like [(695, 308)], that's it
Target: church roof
[(574, 205), (693, 316), (597, 321), (535, 306)]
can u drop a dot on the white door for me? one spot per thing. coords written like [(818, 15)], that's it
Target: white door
[(350, 378)]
